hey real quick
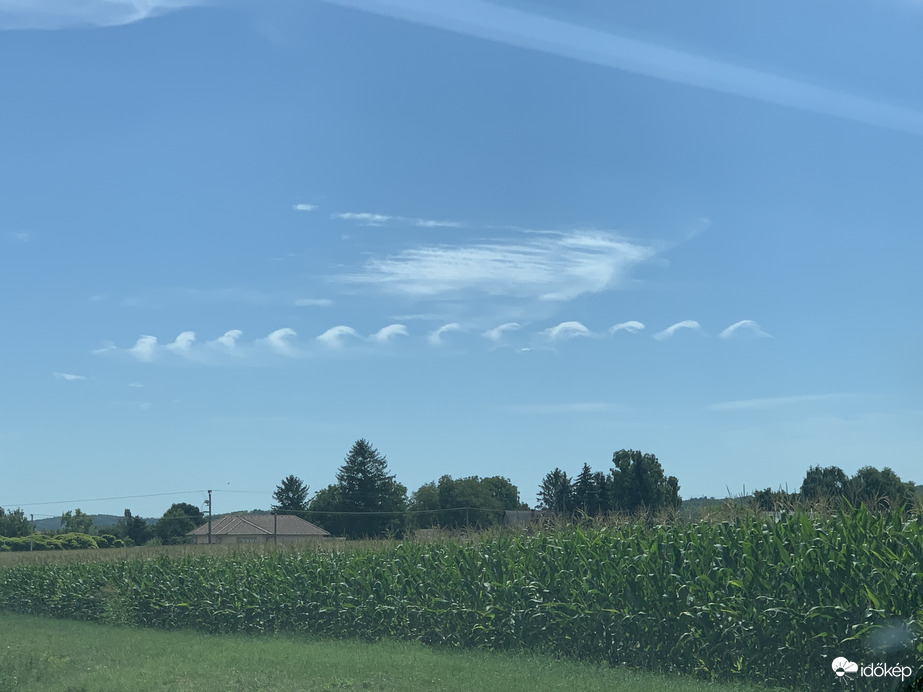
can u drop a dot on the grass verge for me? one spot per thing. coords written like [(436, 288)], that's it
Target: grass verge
[(38, 653)]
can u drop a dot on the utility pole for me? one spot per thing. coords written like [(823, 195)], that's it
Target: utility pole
[(209, 502), (31, 531)]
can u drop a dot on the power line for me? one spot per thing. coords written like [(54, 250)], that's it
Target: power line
[(100, 499)]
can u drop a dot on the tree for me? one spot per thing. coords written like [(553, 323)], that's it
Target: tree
[(76, 522), (471, 501), (828, 483), (135, 528), (13, 523), (586, 493), (364, 487), (177, 521), (638, 483), (880, 490), (557, 492), (291, 496)]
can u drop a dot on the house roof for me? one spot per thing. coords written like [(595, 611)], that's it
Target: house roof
[(260, 524)]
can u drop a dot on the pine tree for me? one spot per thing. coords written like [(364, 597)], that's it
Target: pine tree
[(364, 485), (291, 495), (585, 492), (557, 492)]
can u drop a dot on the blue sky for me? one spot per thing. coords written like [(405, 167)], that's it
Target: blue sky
[(491, 238)]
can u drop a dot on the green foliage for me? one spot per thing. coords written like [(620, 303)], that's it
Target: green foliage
[(177, 521), (372, 503), (639, 484), (76, 522), (134, 530), (291, 496), (557, 492), (13, 523), (878, 490), (770, 602), (484, 502)]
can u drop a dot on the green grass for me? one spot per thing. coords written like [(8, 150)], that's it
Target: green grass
[(39, 653)]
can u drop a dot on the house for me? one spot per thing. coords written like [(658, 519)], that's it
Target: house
[(258, 528)]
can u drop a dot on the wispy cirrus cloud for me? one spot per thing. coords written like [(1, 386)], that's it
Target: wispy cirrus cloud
[(385, 334), (552, 266), (333, 337), (435, 338), (632, 327), (773, 402), (365, 218), (672, 329), (743, 324), (22, 236), (68, 14), (566, 330), (497, 333), (304, 207), (69, 377), (533, 31), (313, 302)]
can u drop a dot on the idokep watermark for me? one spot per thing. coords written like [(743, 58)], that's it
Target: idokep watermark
[(844, 668)]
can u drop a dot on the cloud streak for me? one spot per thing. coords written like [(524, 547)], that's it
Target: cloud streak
[(743, 324), (365, 218), (566, 330), (435, 338), (772, 402), (552, 266), (533, 31), (304, 207), (69, 378), (385, 334), (672, 329), (497, 333), (332, 338), (313, 302), (70, 14), (632, 327)]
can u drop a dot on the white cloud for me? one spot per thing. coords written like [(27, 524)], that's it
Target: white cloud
[(435, 338), (669, 331), (22, 237), (553, 266), (145, 348), (313, 302), (632, 327), (69, 378), (532, 31), (496, 333), (332, 336), (369, 219), (107, 347), (364, 218), (182, 344), (566, 330), (385, 334), (66, 14), (229, 338), (743, 324), (278, 341), (772, 402), (304, 207), (135, 385)]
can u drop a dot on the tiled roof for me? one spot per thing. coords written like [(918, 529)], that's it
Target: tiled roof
[(259, 524)]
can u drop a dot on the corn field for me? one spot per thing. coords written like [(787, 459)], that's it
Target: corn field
[(749, 599)]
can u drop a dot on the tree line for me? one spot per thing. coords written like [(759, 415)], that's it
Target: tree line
[(878, 490)]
